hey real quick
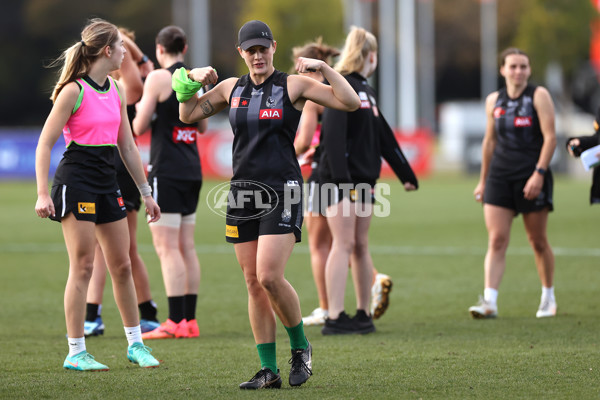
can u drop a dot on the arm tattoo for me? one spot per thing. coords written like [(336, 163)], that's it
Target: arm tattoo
[(207, 108)]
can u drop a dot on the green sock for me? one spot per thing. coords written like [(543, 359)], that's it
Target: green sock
[(297, 338), (267, 355)]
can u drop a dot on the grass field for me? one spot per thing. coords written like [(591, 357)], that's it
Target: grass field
[(426, 345)]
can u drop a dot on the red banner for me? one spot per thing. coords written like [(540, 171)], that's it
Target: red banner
[(214, 147)]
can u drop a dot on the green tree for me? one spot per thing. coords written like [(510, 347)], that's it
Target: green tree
[(295, 22), (556, 31)]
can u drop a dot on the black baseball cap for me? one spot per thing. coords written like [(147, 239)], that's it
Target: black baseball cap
[(255, 33)]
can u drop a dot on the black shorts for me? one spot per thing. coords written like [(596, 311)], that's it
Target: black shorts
[(258, 213), (130, 192), (509, 194), (86, 206), (176, 196), (332, 194)]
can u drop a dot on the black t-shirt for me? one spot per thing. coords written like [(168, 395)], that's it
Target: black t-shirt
[(519, 137), (264, 124), (173, 149)]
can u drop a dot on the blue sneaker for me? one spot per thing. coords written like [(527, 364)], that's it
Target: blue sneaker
[(147, 325), (83, 361), (93, 328), (137, 353)]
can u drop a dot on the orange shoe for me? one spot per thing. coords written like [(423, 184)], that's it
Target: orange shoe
[(193, 330), (168, 330)]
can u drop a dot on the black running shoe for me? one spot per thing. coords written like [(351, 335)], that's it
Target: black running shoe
[(343, 325), (363, 323), (264, 379), (301, 368)]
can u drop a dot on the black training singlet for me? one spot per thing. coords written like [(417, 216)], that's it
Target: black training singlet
[(264, 124), (350, 141), (173, 149), (519, 137)]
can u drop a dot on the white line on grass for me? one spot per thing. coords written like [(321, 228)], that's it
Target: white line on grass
[(303, 249)]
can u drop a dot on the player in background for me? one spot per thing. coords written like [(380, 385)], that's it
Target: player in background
[(176, 177), (319, 236), (353, 145), (515, 178)]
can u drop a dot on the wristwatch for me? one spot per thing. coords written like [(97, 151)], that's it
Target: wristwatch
[(144, 60), (540, 170)]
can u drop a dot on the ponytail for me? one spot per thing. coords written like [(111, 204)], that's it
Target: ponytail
[(77, 60)]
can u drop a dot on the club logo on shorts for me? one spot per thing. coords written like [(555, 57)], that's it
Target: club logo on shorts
[(231, 231), (86, 208), (286, 215), (275, 113), (353, 195), (121, 202)]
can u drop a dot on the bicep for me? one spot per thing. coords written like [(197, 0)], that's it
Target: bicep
[(319, 93)]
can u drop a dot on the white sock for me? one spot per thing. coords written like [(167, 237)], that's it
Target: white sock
[(548, 293), (133, 334), (490, 295), (76, 345)]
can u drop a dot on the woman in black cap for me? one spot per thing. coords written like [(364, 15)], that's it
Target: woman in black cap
[(264, 213)]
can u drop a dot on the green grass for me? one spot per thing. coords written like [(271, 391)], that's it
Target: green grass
[(426, 345)]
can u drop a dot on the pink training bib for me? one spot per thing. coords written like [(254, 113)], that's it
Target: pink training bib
[(96, 117)]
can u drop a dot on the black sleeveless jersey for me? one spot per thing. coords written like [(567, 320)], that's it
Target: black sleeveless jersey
[(519, 137), (264, 124), (173, 148)]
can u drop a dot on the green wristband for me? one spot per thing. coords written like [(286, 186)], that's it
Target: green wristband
[(184, 87)]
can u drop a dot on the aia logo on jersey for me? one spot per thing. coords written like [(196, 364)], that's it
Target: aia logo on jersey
[(184, 134), (239, 102), (274, 113), (522, 122), (498, 112)]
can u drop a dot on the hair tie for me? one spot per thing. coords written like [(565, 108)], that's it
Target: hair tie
[(82, 43)]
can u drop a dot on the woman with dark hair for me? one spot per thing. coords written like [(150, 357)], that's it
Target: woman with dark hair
[(90, 111), (515, 178), (176, 178), (264, 111)]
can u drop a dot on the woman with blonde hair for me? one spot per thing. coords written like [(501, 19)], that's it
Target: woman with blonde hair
[(90, 111), (353, 144)]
